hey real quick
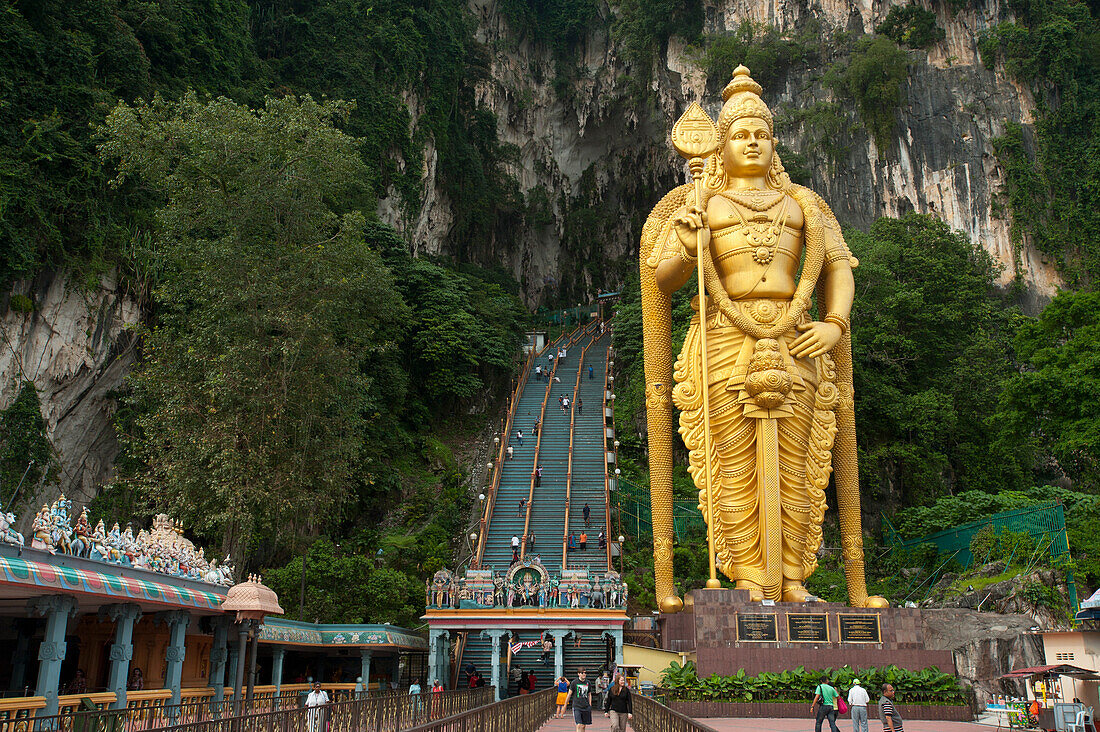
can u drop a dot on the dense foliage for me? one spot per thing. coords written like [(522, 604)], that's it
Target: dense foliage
[(911, 25), (1053, 169), (928, 686), (26, 456), (873, 77), (64, 65), (277, 375)]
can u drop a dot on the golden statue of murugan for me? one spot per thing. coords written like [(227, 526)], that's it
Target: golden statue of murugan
[(764, 391)]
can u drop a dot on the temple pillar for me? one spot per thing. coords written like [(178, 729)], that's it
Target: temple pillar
[(364, 667), (233, 652), (495, 636), (616, 635), (218, 655), (559, 660), (177, 621), (438, 650), (395, 673), (238, 669), (57, 609), (122, 650), (278, 655)]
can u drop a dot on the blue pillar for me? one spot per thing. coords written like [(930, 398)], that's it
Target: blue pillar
[(122, 650), (234, 653), (57, 610), (177, 621), (559, 660), (395, 674), (364, 667), (495, 636), (438, 647), (218, 655), (616, 635), (278, 654)]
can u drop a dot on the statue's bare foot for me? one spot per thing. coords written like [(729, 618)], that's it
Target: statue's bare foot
[(796, 592), (756, 592)]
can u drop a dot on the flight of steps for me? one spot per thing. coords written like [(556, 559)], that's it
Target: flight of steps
[(588, 462)]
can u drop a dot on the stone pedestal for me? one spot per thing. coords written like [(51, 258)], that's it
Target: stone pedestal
[(729, 632)]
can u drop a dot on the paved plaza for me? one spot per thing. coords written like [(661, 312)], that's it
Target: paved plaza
[(601, 724)]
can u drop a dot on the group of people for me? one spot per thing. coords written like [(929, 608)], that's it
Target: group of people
[(575, 542), (828, 704), (614, 698)]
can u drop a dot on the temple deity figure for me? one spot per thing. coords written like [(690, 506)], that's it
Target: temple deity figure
[(42, 529), (764, 389), (8, 534)]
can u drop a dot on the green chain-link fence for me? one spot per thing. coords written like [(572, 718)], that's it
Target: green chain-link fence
[(1043, 522), (636, 514)]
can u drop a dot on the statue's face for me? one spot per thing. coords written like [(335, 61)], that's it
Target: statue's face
[(749, 148)]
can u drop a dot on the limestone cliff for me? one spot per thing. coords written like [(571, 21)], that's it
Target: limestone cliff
[(596, 149), (75, 347)]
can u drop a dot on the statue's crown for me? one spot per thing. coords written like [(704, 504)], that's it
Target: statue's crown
[(741, 82), (741, 99)]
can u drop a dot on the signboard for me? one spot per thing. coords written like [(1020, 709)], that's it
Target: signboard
[(860, 628), (757, 628), (808, 627)]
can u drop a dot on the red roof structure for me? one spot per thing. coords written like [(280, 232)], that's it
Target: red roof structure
[(1056, 670)]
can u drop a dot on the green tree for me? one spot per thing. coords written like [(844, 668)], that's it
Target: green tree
[(1051, 403), (346, 587), (931, 342), (25, 452), (873, 77), (912, 25), (256, 382)]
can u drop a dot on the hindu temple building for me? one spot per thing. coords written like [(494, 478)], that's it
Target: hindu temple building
[(146, 620)]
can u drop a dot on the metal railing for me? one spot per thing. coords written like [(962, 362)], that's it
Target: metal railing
[(652, 716), (388, 711), (524, 713)]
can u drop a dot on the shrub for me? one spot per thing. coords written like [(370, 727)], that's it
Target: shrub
[(911, 25)]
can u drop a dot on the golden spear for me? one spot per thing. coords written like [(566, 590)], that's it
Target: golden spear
[(695, 137)]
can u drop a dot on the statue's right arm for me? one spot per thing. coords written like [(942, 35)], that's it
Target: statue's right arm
[(681, 248)]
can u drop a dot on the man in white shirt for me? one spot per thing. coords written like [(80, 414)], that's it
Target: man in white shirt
[(316, 699), (857, 702), (515, 542)]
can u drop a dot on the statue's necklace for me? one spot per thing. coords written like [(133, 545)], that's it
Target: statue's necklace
[(764, 237), (756, 199)]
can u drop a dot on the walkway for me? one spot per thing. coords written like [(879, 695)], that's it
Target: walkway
[(601, 723)]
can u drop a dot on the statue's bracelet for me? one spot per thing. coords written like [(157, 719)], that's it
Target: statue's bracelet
[(687, 257), (839, 321)]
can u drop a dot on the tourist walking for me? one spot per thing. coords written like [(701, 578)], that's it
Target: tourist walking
[(572, 545), (522, 508), (437, 699), (888, 712), (589, 372), (618, 704), (508, 453), (587, 514), (602, 541), (519, 437), (515, 542), (602, 685), (531, 542), (538, 476), (580, 406), (580, 692), (563, 694), (857, 702), (538, 373), (584, 541), (824, 704), (535, 429), (414, 691)]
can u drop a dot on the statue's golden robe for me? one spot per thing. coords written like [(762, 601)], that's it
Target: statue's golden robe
[(769, 499)]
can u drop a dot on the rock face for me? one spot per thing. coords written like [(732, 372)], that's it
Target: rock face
[(986, 645), (75, 349), (595, 146)]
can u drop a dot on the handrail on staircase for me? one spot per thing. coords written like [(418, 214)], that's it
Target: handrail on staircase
[(579, 332), (569, 464), (498, 466), (606, 482)]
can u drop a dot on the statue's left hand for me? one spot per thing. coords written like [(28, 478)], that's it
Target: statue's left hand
[(817, 338)]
